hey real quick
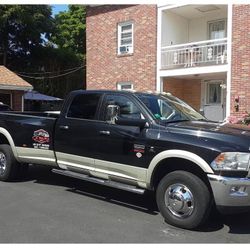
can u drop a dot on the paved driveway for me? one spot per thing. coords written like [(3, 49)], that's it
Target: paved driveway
[(51, 208)]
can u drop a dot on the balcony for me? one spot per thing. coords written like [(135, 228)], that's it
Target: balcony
[(195, 54)]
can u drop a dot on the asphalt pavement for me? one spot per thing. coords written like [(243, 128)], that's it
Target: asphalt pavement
[(49, 208)]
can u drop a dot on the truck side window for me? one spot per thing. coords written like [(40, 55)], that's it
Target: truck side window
[(127, 108), (84, 106)]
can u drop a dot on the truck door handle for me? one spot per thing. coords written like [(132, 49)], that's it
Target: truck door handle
[(104, 132), (65, 127)]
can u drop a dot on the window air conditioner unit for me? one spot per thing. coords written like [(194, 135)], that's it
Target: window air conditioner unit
[(125, 49)]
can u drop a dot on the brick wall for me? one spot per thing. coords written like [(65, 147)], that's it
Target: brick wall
[(17, 100), (240, 83), (104, 67), (187, 90)]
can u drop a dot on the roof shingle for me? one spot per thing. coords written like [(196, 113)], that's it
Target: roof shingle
[(9, 79)]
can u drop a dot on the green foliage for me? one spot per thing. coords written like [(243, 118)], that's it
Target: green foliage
[(33, 41), (21, 27), (70, 29)]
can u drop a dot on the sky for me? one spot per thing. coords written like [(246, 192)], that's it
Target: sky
[(56, 8)]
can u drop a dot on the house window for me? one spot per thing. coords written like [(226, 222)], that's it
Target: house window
[(217, 29), (214, 93), (124, 86), (125, 38)]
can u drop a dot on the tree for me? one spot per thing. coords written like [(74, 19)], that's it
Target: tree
[(70, 28), (21, 27), (35, 43)]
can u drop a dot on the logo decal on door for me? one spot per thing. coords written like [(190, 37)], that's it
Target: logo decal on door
[(41, 137)]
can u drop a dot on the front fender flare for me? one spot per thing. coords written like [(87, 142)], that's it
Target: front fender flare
[(176, 154)]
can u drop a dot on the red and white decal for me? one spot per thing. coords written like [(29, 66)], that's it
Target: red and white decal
[(41, 136)]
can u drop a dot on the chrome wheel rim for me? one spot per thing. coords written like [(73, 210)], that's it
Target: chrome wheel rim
[(179, 200), (2, 163)]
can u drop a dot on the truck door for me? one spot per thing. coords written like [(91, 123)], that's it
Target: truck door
[(76, 133), (122, 150)]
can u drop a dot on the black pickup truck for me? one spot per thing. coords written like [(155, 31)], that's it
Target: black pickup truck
[(136, 142)]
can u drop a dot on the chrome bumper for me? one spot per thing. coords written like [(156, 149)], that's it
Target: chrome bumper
[(230, 192)]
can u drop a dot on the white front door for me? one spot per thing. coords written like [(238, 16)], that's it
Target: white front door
[(214, 101)]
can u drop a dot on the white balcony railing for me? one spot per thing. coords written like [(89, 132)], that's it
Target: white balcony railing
[(205, 53)]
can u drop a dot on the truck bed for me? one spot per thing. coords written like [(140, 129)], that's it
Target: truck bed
[(25, 128)]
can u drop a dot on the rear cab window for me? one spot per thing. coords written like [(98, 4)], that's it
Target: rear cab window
[(84, 106)]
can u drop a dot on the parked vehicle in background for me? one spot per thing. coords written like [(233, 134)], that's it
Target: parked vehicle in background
[(136, 142), (5, 107)]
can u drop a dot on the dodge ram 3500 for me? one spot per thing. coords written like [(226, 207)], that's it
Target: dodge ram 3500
[(136, 142)]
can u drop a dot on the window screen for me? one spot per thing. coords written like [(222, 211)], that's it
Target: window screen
[(84, 106)]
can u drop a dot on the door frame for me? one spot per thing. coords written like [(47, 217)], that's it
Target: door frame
[(204, 93)]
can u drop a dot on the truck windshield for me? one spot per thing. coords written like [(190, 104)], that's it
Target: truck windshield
[(167, 108)]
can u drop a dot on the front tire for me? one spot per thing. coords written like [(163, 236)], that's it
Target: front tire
[(183, 199), (8, 163)]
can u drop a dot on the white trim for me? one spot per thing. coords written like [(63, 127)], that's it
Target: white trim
[(121, 170), (11, 100), (194, 43), (168, 7), (158, 51), (207, 83), (75, 160), (119, 85), (214, 21), (103, 169), (36, 156), (22, 102), (178, 154), (229, 57), (130, 47), (11, 87), (195, 70)]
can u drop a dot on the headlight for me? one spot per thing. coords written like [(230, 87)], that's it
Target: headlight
[(231, 161)]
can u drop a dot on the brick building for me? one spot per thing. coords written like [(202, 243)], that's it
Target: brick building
[(12, 88), (199, 53)]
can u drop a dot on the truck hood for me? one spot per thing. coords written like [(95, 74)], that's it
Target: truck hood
[(216, 136), (214, 127)]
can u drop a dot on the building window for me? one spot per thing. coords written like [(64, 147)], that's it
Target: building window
[(125, 38), (217, 29), (214, 93), (124, 86)]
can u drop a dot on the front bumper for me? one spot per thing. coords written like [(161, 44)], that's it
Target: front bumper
[(230, 192)]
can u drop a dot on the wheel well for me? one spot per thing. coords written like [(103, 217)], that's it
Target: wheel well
[(172, 164), (3, 140)]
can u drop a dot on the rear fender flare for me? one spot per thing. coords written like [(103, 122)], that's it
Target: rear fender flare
[(7, 135)]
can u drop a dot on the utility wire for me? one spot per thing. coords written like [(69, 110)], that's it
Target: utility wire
[(50, 77), (45, 72)]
